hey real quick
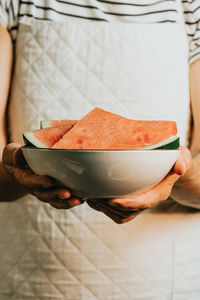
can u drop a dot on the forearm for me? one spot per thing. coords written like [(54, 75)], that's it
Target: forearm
[(187, 188), (9, 189), (6, 57)]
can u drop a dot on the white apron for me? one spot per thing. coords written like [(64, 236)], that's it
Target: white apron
[(62, 71)]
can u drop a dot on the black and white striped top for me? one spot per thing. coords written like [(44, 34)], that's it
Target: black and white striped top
[(136, 11)]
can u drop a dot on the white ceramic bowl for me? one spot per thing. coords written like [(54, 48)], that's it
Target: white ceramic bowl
[(102, 174)]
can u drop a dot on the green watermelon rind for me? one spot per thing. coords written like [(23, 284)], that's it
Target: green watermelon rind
[(48, 123), (173, 142), (30, 139), (173, 145), (44, 124)]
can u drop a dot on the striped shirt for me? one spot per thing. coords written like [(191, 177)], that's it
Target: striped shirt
[(135, 11)]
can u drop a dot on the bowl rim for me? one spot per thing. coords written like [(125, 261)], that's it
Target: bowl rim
[(100, 150)]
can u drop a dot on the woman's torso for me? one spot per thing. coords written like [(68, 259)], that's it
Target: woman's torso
[(62, 71)]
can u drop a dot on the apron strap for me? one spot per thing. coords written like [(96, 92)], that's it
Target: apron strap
[(181, 19)]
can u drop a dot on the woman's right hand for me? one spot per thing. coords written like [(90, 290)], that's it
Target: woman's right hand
[(40, 186)]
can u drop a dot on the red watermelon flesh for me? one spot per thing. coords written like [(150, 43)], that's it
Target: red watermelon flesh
[(45, 138), (100, 129), (58, 123)]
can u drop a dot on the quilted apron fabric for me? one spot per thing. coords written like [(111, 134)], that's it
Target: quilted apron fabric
[(62, 71)]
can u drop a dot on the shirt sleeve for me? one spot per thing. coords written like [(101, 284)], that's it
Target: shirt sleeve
[(3, 13), (9, 15), (191, 11)]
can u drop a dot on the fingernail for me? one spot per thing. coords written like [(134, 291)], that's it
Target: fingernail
[(65, 195), (74, 202)]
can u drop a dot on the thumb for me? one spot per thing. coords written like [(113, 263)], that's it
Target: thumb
[(180, 167), (170, 179), (18, 158), (8, 153), (163, 189), (183, 162)]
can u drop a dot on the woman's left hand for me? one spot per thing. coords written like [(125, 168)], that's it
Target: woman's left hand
[(122, 210)]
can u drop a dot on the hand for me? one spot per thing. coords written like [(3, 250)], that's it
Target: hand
[(40, 186), (122, 210), (118, 215)]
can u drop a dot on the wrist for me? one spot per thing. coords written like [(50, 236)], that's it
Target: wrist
[(10, 188)]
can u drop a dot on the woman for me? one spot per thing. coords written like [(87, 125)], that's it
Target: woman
[(80, 254)]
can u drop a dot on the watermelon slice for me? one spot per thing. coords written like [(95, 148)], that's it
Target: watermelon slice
[(57, 123), (44, 138), (100, 129)]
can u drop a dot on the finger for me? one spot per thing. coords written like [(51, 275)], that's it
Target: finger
[(163, 189), (183, 162), (93, 205), (117, 210), (12, 156), (61, 205), (66, 204), (139, 202), (29, 180), (55, 195), (111, 214), (8, 151), (120, 219), (115, 217)]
